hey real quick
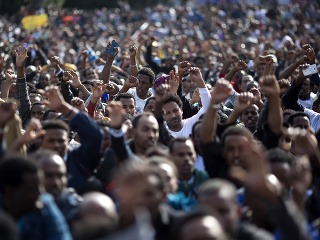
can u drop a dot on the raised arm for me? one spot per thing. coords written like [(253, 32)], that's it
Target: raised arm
[(225, 68), (240, 65), (106, 71), (222, 90), (270, 86), (133, 63), (10, 79), (22, 90)]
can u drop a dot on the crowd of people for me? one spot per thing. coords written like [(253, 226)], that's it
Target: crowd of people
[(176, 122)]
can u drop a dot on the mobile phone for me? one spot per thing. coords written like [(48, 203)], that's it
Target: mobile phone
[(312, 69), (111, 50)]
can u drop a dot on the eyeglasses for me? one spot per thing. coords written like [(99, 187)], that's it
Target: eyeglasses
[(37, 113)]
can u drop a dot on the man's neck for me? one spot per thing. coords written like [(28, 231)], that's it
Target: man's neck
[(144, 96), (176, 128), (305, 97)]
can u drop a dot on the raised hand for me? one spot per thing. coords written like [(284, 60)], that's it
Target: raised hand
[(74, 79), (240, 65), (21, 56), (196, 76), (78, 103), (233, 58), (7, 110), (266, 59), (98, 114), (269, 85), (55, 99), (109, 88), (55, 62), (221, 92), (162, 92), (183, 67), (244, 101), (116, 114), (133, 51), (131, 82), (33, 131), (97, 91), (173, 82), (257, 95), (10, 77), (85, 54)]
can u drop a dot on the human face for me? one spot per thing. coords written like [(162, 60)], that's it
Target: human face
[(196, 138), (250, 117), (26, 196), (37, 111), (173, 115), (56, 140), (55, 174), (223, 207), (206, 227), (244, 81), (142, 191), (281, 171), (260, 69), (44, 80), (170, 177), (184, 157), (301, 122), (128, 105), (146, 134), (306, 89), (34, 98), (150, 106), (91, 74), (143, 86), (233, 148)]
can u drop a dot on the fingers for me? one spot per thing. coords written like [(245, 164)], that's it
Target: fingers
[(246, 98)]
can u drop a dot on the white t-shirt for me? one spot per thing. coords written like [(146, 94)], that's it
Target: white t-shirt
[(139, 102), (314, 118), (188, 123)]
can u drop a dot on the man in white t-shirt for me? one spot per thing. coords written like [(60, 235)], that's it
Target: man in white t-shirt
[(172, 108), (140, 87)]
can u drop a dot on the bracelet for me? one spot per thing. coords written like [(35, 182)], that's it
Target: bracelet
[(216, 106), (69, 113)]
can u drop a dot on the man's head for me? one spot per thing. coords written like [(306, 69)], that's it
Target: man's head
[(280, 163), (243, 81), (232, 139), (198, 225), (35, 97), (299, 120), (184, 156), (139, 186), (150, 104), (219, 196), (250, 117), (146, 78), (56, 137), (128, 102), (145, 131), (195, 135), (54, 169), (172, 108), (20, 185), (38, 109), (260, 69), (44, 80), (169, 171), (90, 74), (307, 88)]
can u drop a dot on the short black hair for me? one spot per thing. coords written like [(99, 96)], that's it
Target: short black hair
[(85, 71), (237, 131), (177, 140), (124, 95), (173, 98), (12, 170), (147, 102), (46, 114), (148, 72), (194, 126), (295, 115), (136, 119), (278, 155), (55, 124)]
